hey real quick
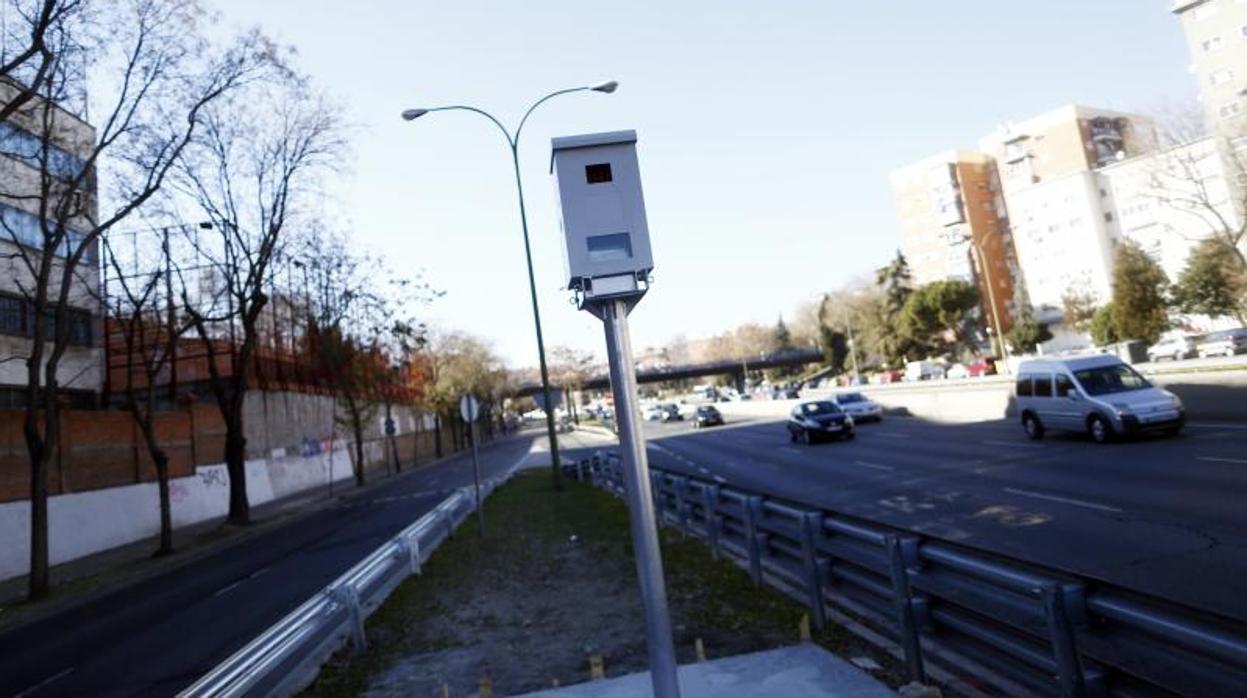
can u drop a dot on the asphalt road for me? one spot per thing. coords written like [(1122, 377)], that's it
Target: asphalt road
[(1163, 516), (157, 637)]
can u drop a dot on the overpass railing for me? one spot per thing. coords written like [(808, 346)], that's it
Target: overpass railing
[(287, 656), (998, 619)]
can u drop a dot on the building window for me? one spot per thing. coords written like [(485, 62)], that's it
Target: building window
[(28, 148), (1212, 44), (17, 318), (23, 228), (12, 316), (1231, 110), (1221, 77), (1108, 217), (599, 173)]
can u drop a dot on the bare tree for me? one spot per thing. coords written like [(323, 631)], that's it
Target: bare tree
[(571, 368), (252, 171), (164, 76), (141, 306), (33, 34), (1201, 172)]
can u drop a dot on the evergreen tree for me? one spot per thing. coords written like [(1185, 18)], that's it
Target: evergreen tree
[(1213, 282), (1027, 332), (1104, 326), (1139, 295)]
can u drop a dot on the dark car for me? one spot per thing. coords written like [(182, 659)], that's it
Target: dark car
[(707, 416), (815, 421), (785, 393), (671, 413)]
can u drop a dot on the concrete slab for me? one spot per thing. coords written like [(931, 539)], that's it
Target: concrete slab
[(800, 671)]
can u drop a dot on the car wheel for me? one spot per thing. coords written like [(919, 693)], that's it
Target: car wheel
[(792, 436), (1173, 431), (851, 435), (1099, 429), (1177, 356), (1034, 429)]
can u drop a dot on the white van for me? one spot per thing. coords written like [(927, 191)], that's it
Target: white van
[(1098, 395), (923, 370)]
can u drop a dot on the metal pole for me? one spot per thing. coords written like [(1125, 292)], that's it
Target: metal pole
[(541, 347), (991, 298), (662, 663), (476, 478), (848, 324)]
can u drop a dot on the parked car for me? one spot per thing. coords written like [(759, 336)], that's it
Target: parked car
[(859, 407), (653, 413), (786, 393), (707, 416), (957, 371), (810, 422), (923, 370), (890, 376), (670, 413), (982, 366), (1223, 343), (1176, 348), (1100, 395)]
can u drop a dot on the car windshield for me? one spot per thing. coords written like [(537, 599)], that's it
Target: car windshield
[(1110, 379), (819, 408), (846, 398), (707, 410)]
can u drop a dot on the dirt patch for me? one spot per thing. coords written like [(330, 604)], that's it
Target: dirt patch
[(551, 583)]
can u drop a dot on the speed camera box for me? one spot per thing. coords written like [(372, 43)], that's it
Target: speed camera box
[(606, 246)]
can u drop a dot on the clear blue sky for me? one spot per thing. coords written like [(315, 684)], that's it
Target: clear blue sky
[(767, 131)]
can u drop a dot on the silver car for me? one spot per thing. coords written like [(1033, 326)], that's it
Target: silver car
[(859, 407), (1098, 395)]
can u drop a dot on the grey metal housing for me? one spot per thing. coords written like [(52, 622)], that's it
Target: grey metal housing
[(605, 233)]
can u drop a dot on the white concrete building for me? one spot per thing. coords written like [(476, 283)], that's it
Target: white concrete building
[(1216, 33), (1170, 200), (1064, 232), (21, 231)]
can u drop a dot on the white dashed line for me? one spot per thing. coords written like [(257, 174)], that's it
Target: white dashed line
[(257, 573), (876, 466), (720, 479), (1214, 459), (226, 589), (45, 682), (789, 449), (890, 435), (704, 471), (1063, 500)]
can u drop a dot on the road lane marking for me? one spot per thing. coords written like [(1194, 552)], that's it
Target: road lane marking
[(876, 466), (257, 573), (890, 435), (1014, 444), (720, 479), (44, 683), (1063, 500), (789, 449), (226, 589), (1215, 425), (1214, 459)]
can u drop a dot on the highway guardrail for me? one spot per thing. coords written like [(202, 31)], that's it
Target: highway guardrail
[(1048, 631), (287, 656)]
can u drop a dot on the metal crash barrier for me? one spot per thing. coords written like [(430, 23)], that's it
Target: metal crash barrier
[(287, 656), (1047, 631)]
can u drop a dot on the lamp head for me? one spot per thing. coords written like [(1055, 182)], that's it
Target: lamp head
[(412, 114), (605, 87)]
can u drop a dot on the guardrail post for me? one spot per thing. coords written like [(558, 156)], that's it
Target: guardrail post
[(681, 503), (811, 526), (710, 502), (410, 548), (1064, 649), (348, 597), (753, 538), (907, 625)]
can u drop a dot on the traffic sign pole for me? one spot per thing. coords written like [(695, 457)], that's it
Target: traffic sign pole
[(469, 409)]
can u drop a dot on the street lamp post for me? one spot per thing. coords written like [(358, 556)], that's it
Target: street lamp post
[(514, 142), (991, 299)]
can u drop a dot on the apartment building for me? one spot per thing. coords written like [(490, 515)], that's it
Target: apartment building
[(1062, 219), (953, 226), (23, 161), (1216, 33)]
